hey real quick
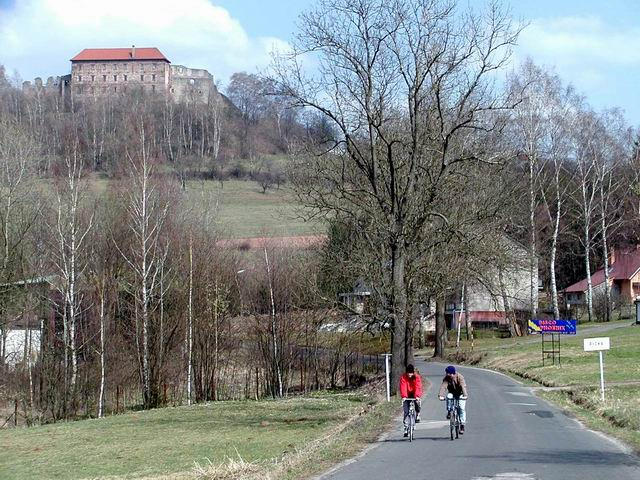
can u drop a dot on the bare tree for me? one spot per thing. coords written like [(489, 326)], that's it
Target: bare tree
[(147, 210), (71, 228), (407, 86)]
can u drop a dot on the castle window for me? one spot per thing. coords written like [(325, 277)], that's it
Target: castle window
[(153, 88), (153, 77), (115, 78), (115, 89), (79, 66), (104, 78), (142, 78), (93, 78), (104, 67), (125, 78)]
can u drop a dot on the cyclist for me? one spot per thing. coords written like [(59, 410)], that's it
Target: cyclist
[(454, 383), (410, 387)]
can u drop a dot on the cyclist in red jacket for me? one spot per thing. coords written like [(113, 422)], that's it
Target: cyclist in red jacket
[(410, 387)]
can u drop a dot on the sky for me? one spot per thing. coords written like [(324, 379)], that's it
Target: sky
[(593, 44)]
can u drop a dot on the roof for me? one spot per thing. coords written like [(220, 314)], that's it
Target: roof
[(110, 54), (625, 266)]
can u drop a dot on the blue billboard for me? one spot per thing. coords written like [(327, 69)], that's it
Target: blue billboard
[(563, 327)]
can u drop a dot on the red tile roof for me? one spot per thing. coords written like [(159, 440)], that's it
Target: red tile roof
[(625, 266), (109, 54)]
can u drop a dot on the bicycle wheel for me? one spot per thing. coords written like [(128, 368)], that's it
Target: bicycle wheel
[(452, 424), (412, 425), (457, 428)]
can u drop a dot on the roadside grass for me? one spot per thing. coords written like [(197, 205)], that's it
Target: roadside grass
[(173, 441), (578, 373)]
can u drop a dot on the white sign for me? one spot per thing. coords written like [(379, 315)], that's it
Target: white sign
[(595, 344)]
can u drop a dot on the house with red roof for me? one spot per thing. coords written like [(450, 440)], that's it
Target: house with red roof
[(624, 278)]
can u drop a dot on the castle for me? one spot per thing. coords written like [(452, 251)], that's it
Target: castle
[(99, 72)]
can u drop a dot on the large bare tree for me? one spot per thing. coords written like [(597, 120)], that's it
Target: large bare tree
[(408, 87)]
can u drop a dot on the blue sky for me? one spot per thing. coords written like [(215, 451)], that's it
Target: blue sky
[(594, 44)]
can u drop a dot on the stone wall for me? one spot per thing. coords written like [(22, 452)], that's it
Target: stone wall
[(90, 78), (191, 84)]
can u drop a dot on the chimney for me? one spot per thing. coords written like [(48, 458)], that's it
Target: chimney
[(612, 256), (133, 51)]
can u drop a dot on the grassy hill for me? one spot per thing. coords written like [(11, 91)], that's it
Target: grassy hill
[(244, 211)]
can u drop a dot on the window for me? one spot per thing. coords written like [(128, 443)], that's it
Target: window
[(115, 66), (142, 78), (104, 78), (125, 78), (153, 88), (79, 66), (192, 81), (115, 78), (104, 67), (115, 89), (155, 66), (93, 78), (79, 78), (153, 77), (141, 67)]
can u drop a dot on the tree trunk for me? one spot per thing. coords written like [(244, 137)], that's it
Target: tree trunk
[(400, 348), (102, 357), (440, 329)]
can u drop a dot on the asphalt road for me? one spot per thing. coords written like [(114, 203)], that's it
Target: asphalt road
[(511, 435)]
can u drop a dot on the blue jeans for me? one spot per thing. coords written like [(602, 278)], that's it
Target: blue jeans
[(462, 412), (405, 407)]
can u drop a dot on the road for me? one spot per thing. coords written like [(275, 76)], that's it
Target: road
[(511, 435)]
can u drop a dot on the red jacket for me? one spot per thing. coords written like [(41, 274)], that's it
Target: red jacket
[(410, 387)]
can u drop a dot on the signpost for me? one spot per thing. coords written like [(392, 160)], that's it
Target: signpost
[(387, 370), (598, 345), (552, 327)]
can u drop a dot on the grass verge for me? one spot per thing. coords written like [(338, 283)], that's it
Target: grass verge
[(578, 376), (285, 439)]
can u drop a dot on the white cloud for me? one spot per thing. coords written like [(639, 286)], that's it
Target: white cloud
[(38, 37), (583, 48)]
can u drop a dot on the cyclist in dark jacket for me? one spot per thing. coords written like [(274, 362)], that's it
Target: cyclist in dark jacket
[(454, 383)]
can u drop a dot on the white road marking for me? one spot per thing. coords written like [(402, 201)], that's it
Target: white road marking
[(525, 404), (508, 476), (519, 394), (433, 424)]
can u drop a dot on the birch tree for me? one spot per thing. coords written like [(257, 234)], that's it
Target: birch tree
[(147, 209), (71, 227), (19, 206)]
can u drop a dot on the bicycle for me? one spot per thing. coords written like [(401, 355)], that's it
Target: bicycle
[(453, 408), (411, 417)]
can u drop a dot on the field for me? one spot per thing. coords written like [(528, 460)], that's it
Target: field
[(214, 436), (244, 211), (575, 384), (240, 209)]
